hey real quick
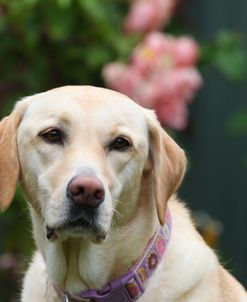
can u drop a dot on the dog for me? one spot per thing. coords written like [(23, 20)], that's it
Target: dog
[(100, 176)]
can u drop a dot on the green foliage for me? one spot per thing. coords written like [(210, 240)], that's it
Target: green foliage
[(44, 44), (52, 43), (238, 123), (21, 237), (227, 54)]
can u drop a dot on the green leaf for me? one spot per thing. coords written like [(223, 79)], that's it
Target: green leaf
[(227, 53), (64, 3), (30, 2), (94, 9), (232, 63), (238, 123), (60, 23)]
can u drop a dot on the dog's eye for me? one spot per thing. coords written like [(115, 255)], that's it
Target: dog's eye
[(120, 144), (54, 136)]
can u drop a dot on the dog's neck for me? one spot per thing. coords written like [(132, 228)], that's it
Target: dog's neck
[(89, 265)]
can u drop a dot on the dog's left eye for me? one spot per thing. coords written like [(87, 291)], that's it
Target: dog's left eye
[(54, 136), (120, 144)]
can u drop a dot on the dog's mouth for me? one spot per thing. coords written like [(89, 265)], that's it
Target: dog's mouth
[(78, 223), (76, 227)]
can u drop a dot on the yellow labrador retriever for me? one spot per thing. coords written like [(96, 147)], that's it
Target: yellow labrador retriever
[(98, 170)]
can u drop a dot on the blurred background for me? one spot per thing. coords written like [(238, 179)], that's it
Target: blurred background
[(187, 59)]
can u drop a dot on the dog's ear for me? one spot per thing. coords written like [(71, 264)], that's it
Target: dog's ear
[(9, 162), (168, 164)]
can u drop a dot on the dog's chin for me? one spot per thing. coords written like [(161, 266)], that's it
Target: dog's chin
[(79, 228), (95, 236)]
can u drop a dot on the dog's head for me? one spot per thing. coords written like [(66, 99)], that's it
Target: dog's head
[(81, 154)]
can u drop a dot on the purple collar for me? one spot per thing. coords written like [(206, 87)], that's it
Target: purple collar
[(131, 286)]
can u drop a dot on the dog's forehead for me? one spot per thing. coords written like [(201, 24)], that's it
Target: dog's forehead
[(102, 106)]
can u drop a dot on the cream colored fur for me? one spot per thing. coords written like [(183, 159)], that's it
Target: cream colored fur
[(138, 183)]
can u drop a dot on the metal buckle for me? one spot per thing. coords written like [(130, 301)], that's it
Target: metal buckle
[(67, 298)]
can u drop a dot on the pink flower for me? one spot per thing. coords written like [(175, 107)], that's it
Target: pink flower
[(113, 73), (159, 41), (143, 16), (146, 94), (174, 89), (148, 15), (179, 83), (163, 51), (166, 8), (122, 78), (161, 74), (156, 51), (172, 114), (186, 51)]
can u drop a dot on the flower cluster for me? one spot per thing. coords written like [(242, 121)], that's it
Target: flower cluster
[(148, 15), (161, 74), (161, 71)]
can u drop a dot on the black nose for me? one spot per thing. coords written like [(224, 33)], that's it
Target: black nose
[(86, 191)]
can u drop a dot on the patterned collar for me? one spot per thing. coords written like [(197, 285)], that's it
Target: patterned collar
[(131, 286)]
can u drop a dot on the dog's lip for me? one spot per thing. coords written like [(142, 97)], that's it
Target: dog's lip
[(78, 224), (74, 223), (77, 227)]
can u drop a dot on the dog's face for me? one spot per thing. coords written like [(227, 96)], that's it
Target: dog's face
[(81, 153)]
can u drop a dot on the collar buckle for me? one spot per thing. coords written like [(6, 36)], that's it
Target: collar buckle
[(67, 298)]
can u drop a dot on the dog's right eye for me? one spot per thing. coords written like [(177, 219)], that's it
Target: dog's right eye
[(53, 136), (120, 144)]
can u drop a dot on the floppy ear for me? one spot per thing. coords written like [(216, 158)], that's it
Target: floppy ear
[(9, 162), (169, 164)]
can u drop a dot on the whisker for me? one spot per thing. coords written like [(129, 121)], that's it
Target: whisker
[(126, 208), (119, 216)]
